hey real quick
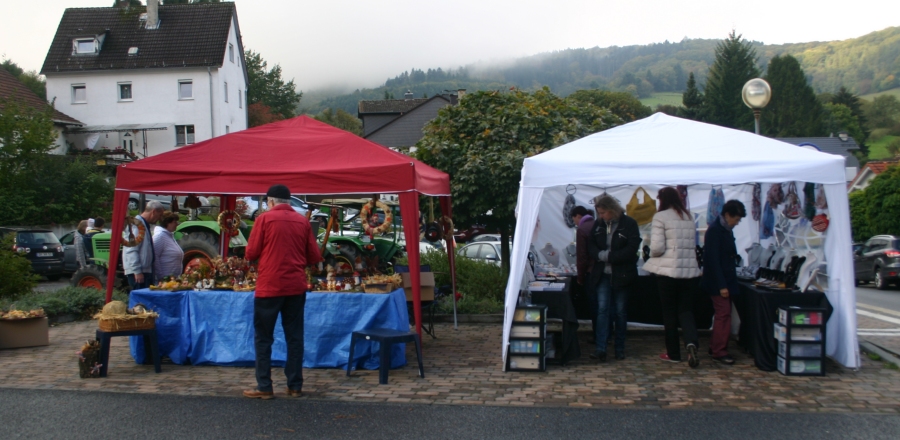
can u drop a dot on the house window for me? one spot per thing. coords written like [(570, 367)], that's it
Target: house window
[(85, 46), (185, 89), (79, 94), (226, 92), (240, 99), (230, 52), (227, 129), (125, 91), (184, 135)]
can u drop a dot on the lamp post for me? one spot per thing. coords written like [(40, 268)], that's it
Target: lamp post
[(756, 94)]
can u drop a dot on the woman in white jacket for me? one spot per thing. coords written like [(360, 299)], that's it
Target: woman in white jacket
[(674, 261)]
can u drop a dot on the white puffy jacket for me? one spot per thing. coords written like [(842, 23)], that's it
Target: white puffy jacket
[(672, 245)]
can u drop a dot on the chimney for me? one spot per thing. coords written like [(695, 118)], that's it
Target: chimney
[(408, 95), (843, 136), (152, 14), (460, 93)]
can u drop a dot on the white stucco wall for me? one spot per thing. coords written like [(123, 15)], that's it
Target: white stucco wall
[(155, 101)]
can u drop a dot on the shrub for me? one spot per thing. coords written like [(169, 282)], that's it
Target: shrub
[(78, 301), (481, 284), (16, 277)]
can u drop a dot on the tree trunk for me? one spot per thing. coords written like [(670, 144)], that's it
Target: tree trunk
[(504, 251)]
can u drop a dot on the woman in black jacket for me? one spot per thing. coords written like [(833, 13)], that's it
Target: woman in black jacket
[(614, 240), (719, 275)]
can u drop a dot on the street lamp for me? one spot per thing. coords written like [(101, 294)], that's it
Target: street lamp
[(756, 95)]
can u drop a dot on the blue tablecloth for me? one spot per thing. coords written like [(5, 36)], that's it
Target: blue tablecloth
[(216, 327)]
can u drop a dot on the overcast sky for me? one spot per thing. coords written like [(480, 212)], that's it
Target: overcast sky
[(357, 44)]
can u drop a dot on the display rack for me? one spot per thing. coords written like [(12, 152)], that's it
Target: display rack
[(800, 332), (528, 339)]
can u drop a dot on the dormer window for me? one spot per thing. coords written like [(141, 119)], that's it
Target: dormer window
[(83, 46)]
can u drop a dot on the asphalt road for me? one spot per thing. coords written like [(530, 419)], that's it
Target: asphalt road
[(888, 299), (49, 414)]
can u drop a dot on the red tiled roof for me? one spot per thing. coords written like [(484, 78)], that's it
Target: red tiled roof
[(879, 166), (11, 87)]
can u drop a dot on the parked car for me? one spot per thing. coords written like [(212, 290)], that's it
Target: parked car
[(486, 238), (70, 263), (485, 251), (878, 261), (41, 247), (467, 234), (134, 201), (253, 209)]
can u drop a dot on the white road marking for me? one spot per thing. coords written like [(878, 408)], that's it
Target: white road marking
[(897, 333), (878, 309), (879, 316)]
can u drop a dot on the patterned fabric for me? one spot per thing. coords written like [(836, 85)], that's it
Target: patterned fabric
[(821, 201), (767, 225), (756, 206), (775, 195), (714, 207), (809, 200)]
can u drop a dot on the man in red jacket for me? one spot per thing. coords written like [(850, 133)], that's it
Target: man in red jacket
[(284, 244)]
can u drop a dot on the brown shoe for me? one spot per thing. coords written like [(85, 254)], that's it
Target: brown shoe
[(257, 394), (293, 393)]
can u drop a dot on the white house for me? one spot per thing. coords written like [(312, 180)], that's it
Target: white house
[(148, 80)]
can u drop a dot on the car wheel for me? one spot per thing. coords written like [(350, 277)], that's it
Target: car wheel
[(880, 282)]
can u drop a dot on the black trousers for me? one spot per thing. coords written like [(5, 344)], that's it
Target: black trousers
[(265, 313), (677, 297)]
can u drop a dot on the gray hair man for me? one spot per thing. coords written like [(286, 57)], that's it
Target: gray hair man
[(138, 260)]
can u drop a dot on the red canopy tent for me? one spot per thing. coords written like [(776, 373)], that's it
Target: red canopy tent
[(308, 156)]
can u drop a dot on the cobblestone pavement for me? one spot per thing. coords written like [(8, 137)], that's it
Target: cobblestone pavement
[(463, 367), (883, 330)]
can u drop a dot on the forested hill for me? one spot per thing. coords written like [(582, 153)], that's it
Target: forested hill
[(867, 64)]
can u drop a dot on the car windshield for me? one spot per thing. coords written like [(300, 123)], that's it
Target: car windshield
[(36, 238)]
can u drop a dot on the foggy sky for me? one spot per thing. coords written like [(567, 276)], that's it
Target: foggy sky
[(357, 44)]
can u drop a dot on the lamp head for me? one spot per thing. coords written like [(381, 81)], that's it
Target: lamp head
[(756, 93)]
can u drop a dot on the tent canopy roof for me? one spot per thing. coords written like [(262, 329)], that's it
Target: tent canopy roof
[(678, 151), (308, 156)]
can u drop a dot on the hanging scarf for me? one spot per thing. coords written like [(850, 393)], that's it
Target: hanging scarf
[(755, 207), (714, 207), (809, 200), (767, 225)]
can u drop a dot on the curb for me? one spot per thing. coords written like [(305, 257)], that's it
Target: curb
[(886, 356)]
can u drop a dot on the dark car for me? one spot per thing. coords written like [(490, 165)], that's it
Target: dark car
[(41, 247), (878, 261)]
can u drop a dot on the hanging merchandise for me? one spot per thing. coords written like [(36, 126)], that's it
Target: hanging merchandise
[(820, 223), (551, 255), (767, 225), (821, 201), (775, 195), (809, 204), (754, 254), (641, 212), (714, 207), (756, 207), (792, 208), (569, 205)]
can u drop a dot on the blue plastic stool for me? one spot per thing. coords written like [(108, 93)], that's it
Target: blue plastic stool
[(151, 346), (386, 338)]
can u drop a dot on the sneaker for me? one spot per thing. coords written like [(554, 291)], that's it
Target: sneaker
[(665, 358), (601, 357), (693, 360), (727, 359), (257, 394)]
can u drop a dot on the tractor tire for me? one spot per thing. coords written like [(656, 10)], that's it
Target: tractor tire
[(202, 245), (133, 204), (91, 276)]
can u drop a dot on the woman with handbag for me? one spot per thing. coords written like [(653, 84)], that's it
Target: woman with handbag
[(614, 240), (673, 259)]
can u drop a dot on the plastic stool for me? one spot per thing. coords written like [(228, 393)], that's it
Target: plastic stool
[(150, 344), (386, 338)]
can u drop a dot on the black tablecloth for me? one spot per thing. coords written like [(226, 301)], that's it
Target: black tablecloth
[(644, 305), (559, 305), (758, 309)]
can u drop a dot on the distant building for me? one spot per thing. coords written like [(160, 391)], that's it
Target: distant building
[(149, 80), (13, 89), (868, 172), (398, 123), (841, 144)]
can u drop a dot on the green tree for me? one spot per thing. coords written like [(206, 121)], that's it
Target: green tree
[(621, 104), (843, 96), (883, 111), (26, 136), (483, 141), (735, 64), (267, 86), (16, 277), (838, 118), (859, 225), (794, 110), (882, 203), (340, 119), (31, 78), (692, 100)]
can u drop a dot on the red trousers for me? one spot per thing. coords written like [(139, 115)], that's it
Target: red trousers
[(721, 330)]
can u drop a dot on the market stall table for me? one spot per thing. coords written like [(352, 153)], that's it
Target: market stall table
[(216, 327), (758, 311), (559, 305)]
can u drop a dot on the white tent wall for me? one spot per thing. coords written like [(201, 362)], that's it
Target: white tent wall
[(672, 151)]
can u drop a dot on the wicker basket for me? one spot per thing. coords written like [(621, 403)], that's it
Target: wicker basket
[(378, 288), (120, 325)]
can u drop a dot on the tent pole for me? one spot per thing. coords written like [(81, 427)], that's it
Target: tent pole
[(446, 210)]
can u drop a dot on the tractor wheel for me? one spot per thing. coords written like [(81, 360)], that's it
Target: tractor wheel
[(91, 276), (133, 204), (199, 247)]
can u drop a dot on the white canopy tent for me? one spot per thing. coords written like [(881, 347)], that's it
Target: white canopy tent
[(665, 150)]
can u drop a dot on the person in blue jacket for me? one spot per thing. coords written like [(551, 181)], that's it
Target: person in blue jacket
[(720, 276)]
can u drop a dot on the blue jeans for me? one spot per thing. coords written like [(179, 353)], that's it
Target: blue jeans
[(611, 303), (265, 313)]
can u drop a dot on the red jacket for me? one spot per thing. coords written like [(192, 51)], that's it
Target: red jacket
[(284, 244)]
